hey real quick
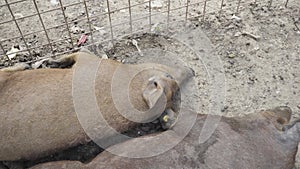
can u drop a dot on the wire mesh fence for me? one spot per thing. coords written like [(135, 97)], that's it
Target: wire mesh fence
[(54, 27)]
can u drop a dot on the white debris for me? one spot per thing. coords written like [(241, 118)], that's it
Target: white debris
[(38, 63), (54, 2), (234, 17), (19, 15), (100, 30), (12, 53), (155, 4), (76, 29), (135, 43), (237, 34), (256, 48), (255, 37), (123, 10)]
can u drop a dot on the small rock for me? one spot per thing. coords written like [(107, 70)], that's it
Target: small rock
[(231, 55), (231, 62), (256, 48), (237, 34), (104, 56), (224, 108)]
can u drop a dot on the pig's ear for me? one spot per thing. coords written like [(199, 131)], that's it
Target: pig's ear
[(153, 91), (279, 116)]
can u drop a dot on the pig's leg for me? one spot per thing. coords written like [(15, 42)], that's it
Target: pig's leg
[(16, 67), (67, 61)]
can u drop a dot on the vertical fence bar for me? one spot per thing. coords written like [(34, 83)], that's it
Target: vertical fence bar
[(88, 20), (238, 6), (43, 25), (168, 19), (286, 3), (221, 8), (66, 21), (110, 23), (204, 10), (222, 3), (186, 10), (4, 53), (130, 16), (18, 27), (150, 22)]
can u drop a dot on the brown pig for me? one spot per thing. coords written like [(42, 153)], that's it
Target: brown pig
[(43, 111)]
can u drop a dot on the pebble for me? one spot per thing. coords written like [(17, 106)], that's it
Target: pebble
[(231, 55), (237, 34), (231, 62)]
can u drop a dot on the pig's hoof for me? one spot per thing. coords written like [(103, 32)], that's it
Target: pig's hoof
[(63, 62)]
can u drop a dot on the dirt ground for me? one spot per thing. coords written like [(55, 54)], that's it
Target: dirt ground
[(243, 63), (257, 50)]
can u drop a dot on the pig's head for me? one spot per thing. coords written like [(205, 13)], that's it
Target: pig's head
[(167, 87)]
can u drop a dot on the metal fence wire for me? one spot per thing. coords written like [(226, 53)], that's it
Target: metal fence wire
[(55, 27)]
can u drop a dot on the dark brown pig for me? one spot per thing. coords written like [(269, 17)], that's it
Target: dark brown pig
[(253, 141)]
